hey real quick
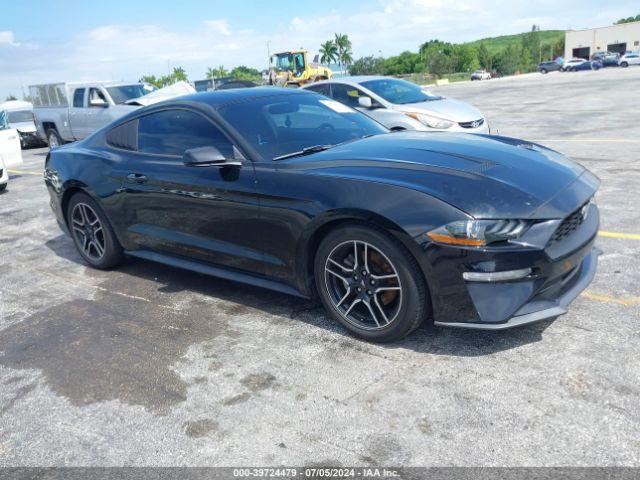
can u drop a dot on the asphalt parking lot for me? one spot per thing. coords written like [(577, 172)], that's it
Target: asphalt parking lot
[(150, 365)]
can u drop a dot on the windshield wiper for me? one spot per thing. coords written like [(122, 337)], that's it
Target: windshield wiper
[(304, 151)]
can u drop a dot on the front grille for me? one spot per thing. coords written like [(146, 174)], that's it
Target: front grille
[(569, 225), (474, 124)]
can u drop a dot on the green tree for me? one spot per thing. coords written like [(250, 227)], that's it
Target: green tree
[(179, 75), (328, 52), (152, 80), (11, 97), (217, 72), (484, 57), (466, 58), (368, 66), (531, 42), (344, 46), (628, 20), (439, 63), (243, 72), (558, 48)]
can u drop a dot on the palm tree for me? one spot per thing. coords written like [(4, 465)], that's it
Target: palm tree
[(328, 52), (344, 49), (217, 72)]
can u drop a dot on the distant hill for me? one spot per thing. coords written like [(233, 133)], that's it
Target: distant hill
[(496, 44)]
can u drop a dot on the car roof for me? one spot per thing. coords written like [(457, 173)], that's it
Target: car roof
[(353, 80), (218, 98)]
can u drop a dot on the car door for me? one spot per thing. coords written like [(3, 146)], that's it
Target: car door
[(9, 143), (96, 113), (204, 213), (78, 113)]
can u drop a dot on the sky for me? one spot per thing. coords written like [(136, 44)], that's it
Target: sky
[(118, 40)]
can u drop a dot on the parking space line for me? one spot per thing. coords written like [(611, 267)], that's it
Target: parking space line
[(601, 297), (24, 172), (627, 236)]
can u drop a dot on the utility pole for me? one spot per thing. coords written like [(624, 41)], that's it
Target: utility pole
[(268, 54)]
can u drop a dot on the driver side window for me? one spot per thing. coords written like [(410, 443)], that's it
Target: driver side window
[(346, 94), (4, 121), (96, 96), (172, 132)]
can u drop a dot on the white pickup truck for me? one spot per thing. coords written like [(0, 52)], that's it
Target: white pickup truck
[(65, 112)]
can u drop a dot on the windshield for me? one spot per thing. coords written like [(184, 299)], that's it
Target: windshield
[(399, 91), (278, 125), (127, 92), (289, 62), (19, 116)]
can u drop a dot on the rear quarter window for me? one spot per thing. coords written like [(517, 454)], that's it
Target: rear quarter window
[(124, 136)]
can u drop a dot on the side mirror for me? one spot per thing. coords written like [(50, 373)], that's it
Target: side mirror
[(365, 102), (98, 102), (207, 157)]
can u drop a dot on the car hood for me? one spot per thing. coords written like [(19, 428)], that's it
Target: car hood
[(24, 127), (484, 176), (446, 108)]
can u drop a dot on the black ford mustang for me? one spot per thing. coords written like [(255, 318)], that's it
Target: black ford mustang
[(289, 190)]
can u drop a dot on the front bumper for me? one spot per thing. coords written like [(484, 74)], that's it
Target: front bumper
[(29, 139), (544, 308)]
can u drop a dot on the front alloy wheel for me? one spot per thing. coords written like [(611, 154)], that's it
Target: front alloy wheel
[(370, 283), (363, 285)]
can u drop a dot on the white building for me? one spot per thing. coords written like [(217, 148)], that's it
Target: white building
[(615, 38)]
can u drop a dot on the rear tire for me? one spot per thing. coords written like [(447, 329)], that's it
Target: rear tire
[(3, 187), (624, 64), (53, 138), (92, 233), (543, 71), (381, 296)]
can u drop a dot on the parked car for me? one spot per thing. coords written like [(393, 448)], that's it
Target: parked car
[(237, 84), (10, 151), (222, 83), (583, 65), (401, 105), (66, 112), (480, 75), (608, 59), (629, 59), (550, 66), (568, 64), (292, 191), (20, 117)]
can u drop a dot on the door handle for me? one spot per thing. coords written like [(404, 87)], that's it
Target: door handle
[(137, 178)]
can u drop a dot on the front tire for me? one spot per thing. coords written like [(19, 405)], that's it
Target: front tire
[(92, 233), (624, 64), (370, 284)]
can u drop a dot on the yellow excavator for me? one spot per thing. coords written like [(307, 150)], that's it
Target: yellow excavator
[(292, 69)]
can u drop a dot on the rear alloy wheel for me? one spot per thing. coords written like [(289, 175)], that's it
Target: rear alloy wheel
[(92, 233), (370, 284)]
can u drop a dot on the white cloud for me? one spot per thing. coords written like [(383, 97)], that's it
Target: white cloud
[(126, 52), (7, 38), (218, 26)]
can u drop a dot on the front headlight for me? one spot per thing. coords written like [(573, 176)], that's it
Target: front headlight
[(432, 122), (477, 233)]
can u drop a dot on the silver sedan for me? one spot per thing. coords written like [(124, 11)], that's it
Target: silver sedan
[(399, 104)]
